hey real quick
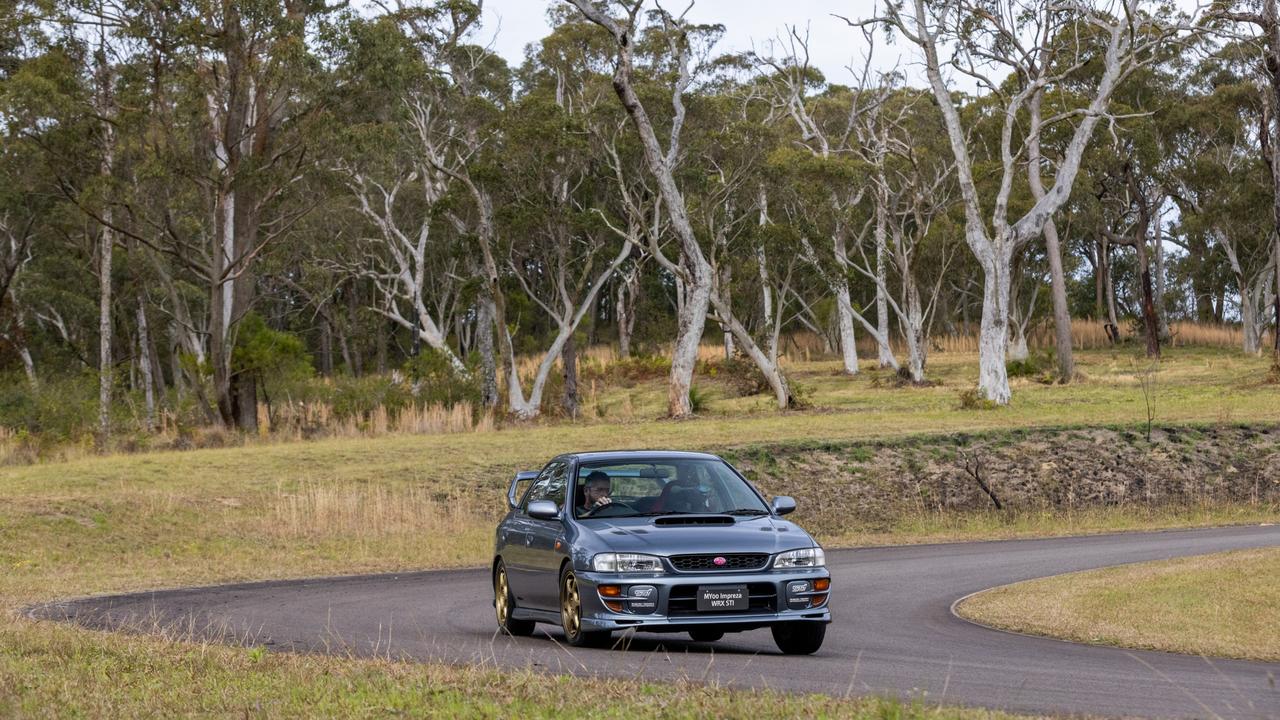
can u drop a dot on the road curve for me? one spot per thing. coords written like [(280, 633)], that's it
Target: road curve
[(893, 632)]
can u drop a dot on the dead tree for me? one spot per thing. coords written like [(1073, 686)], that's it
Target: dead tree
[(1041, 44)]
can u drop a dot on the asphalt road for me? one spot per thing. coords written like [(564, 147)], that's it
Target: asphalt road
[(893, 631)]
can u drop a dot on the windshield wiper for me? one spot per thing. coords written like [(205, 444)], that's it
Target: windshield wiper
[(745, 511)]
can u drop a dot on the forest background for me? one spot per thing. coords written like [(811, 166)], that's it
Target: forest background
[(221, 220)]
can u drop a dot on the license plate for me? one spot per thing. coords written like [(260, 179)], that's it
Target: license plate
[(723, 597)]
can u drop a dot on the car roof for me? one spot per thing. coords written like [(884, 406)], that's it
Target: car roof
[(624, 455)]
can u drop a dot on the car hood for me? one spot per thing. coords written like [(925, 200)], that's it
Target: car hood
[(751, 534)]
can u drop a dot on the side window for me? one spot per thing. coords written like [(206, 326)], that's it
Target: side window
[(549, 485), (559, 481), (538, 490)]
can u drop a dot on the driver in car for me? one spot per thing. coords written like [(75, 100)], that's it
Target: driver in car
[(595, 492)]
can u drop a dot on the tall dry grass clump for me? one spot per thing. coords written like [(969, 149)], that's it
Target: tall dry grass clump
[(318, 419), (1092, 335), (317, 510), (437, 419)]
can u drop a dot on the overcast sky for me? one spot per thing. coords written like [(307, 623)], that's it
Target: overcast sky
[(832, 44)]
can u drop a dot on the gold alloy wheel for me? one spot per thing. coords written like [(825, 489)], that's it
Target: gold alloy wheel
[(570, 607), (501, 595)]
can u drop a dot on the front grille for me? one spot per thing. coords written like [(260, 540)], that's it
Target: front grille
[(732, 562), (684, 600)]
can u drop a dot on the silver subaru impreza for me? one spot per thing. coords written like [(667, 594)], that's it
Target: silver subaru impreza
[(656, 542)]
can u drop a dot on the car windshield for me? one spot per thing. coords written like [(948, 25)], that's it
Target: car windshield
[(640, 487)]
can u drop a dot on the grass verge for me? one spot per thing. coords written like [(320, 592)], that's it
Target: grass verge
[(278, 510), (50, 670), (1226, 604)]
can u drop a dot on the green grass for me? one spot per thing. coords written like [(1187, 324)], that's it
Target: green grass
[(130, 522), (1226, 604)]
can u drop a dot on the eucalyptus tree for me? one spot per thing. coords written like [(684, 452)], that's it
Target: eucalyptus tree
[(1258, 23), (395, 155), (843, 129), (693, 269), (917, 184), (1041, 44), (680, 53), (555, 179), (1216, 174), (229, 105), (26, 183), (728, 191), (475, 88)]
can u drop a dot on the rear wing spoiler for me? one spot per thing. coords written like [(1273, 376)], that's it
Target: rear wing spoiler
[(516, 490)]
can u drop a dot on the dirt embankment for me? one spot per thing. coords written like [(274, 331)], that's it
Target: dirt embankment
[(1055, 470)]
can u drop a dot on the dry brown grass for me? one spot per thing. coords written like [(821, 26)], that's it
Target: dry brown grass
[(1226, 604), (55, 670), (304, 419), (350, 510), (1090, 335), (807, 346)]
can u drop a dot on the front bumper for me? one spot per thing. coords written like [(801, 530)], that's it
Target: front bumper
[(771, 600)]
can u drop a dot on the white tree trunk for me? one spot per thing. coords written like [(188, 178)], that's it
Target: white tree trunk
[(914, 334), (768, 367), (691, 319), (848, 340), (1018, 343), (1249, 325), (993, 378), (144, 362), (886, 358), (1053, 248), (104, 105), (107, 242), (1162, 317), (20, 340), (526, 409), (698, 273)]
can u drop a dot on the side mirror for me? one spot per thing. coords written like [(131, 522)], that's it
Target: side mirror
[(783, 504), (517, 487), (544, 510)]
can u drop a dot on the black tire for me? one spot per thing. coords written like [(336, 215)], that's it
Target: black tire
[(799, 638), (504, 604), (571, 615), (706, 635)]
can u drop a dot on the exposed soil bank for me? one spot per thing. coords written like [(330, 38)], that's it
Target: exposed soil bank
[(877, 483)]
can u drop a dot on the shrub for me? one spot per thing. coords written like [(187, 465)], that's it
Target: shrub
[(357, 398), (698, 399), (1039, 367), (801, 395), (971, 399), (435, 380), (628, 371), (60, 409), (740, 375)]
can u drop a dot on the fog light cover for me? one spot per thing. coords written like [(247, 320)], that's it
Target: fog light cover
[(642, 598), (797, 594)]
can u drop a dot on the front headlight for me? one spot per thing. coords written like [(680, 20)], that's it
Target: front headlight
[(808, 557), (625, 562)]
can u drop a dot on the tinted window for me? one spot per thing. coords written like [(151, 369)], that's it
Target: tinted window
[(538, 490), (639, 487), (550, 485)]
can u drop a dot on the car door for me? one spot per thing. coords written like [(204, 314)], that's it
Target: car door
[(544, 543), (517, 536)]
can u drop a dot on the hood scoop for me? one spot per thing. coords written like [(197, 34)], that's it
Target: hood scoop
[(694, 520)]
